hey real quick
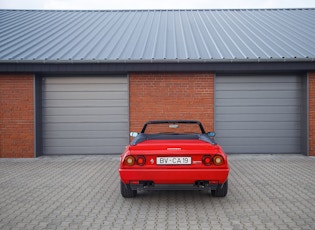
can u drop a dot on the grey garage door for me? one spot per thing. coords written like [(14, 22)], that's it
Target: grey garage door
[(258, 114), (85, 115)]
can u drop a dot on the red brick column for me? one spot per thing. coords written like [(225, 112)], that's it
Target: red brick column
[(312, 114), (171, 96), (16, 115)]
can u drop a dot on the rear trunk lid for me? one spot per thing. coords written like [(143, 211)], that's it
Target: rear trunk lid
[(174, 146)]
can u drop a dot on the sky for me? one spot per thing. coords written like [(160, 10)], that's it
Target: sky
[(153, 4)]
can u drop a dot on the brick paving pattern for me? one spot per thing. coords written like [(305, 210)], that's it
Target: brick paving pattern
[(82, 192)]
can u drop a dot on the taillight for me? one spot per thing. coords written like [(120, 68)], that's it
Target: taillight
[(218, 160), (206, 160), (129, 160), (140, 160)]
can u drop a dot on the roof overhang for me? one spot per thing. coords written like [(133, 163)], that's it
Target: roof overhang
[(127, 66)]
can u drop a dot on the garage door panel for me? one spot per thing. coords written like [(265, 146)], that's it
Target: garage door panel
[(256, 102), (85, 119), (258, 109), (282, 125), (64, 80), (102, 150), (86, 88), (85, 95), (84, 103), (253, 141), (271, 149), (258, 112), (87, 111), (85, 134), (91, 126), (257, 87), (261, 79), (84, 142), (254, 94), (258, 133), (85, 115), (257, 117)]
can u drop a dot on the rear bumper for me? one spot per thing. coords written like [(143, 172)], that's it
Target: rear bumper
[(198, 185), (173, 176)]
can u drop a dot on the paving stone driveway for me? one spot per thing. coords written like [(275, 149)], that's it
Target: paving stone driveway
[(82, 192)]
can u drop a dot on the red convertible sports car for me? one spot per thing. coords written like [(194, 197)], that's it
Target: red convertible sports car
[(173, 155)]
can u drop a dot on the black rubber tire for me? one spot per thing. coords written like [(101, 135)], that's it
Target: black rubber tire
[(221, 190), (126, 191)]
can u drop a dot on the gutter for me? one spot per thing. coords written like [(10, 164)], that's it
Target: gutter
[(157, 66), (145, 61)]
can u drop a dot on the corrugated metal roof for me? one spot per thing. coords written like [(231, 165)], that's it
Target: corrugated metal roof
[(157, 35)]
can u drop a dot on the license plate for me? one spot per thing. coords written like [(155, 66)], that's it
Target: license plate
[(173, 160)]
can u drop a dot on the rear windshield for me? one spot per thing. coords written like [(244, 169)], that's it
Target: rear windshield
[(170, 128)]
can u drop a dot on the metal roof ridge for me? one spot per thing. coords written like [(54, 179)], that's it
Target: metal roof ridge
[(146, 61), (154, 10)]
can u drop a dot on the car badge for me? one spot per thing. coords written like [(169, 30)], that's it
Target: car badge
[(174, 148), (152, 161)]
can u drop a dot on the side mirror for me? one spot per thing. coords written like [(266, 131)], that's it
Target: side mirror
[(133, 134), (211, 134)]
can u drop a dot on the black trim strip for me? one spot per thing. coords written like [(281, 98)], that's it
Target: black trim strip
[(124, 68)]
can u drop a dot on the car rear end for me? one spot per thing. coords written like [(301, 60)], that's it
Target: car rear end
[(174, 164)]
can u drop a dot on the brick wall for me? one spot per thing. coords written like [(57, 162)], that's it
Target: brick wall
[(171, 96), (16, 116), (312, 114)]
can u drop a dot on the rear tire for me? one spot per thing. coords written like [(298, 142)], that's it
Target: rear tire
[(221, 190), (126, 191)]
